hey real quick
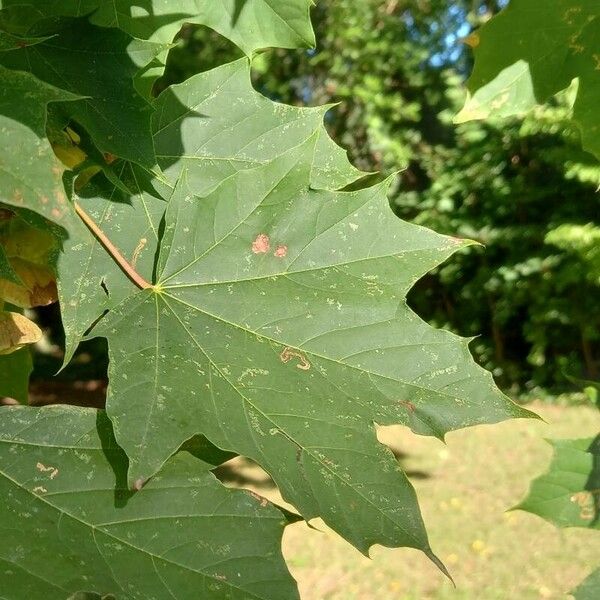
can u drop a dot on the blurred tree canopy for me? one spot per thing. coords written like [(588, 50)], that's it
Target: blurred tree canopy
[(523, 188)]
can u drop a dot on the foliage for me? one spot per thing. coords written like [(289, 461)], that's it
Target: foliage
[(244, 298), (507, 183), (544, 47)]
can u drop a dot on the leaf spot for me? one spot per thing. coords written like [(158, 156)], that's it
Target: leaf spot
[(44, 469), (262, 244), (263, 501), (288, 353), (281, 251), (39, 489)]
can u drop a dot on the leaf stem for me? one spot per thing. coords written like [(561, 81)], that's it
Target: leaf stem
[(112, 249)]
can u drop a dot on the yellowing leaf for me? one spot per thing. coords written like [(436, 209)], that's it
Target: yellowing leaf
[(28, 252), (69, 154), (38, 289), (17, 331)]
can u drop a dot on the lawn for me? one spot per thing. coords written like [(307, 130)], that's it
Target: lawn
[(465, 488)]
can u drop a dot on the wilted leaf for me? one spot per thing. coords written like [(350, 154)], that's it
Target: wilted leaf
[(278, 329), (30, 253), (185, 536)]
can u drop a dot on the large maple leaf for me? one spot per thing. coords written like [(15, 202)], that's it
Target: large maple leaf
[(278, 328)]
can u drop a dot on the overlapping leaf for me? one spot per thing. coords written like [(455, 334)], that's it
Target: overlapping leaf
[(278, 329), (251, 24), (62, 480), (30, 174), (190, 131), (112, 112), (532, 50), (568, 495)]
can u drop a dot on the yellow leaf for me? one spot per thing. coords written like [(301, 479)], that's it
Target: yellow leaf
[(17, 331), (69, 155), (38, 289)]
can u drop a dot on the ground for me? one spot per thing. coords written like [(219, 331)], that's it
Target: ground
[(465, 488)]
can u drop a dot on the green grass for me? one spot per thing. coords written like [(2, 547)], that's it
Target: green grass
[(469, 485)]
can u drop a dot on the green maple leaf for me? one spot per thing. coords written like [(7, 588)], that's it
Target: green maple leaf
[(30, 174), (251, 24), (568, 495), (15, 369), (62, 478), (190, 131), (215, 124), (110, 109), (278, 328), (529, 52)]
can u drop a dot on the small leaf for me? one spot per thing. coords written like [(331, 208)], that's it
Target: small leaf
[(568, 495), (184, 536)]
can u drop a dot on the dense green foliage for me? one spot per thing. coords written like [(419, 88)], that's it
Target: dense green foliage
[(251, 285), (518, 186)]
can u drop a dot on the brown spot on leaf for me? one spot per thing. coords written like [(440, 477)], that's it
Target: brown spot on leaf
[(472, 40), (139, 484), (289, 353), (263, 501), (281, 251), (262, 244), (408, 405)]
